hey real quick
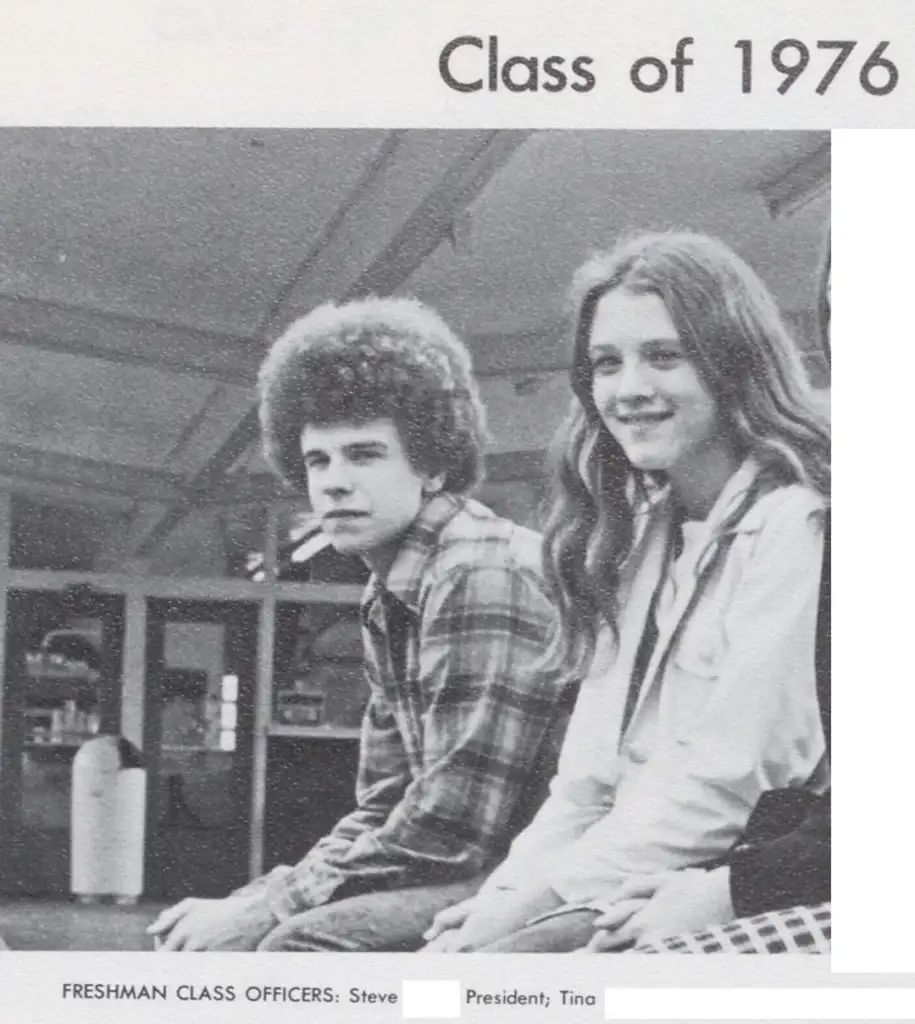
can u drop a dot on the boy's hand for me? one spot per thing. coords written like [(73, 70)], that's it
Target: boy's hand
[(236, 923)]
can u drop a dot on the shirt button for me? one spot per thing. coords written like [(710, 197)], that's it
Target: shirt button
[(635, 755), (706, 653)]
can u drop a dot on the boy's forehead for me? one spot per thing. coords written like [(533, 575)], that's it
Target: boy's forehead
[(338, 435)]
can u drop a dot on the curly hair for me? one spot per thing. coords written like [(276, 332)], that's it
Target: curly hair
[(731, 329), (374, 358)]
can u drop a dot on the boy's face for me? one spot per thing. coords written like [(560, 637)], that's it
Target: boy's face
[(363, 487)]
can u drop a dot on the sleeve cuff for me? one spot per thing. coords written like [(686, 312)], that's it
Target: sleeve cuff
[(578, 890), (260, 885), (279, 899), (292, 891)]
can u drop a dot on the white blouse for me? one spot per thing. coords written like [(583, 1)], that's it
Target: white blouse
[(727, 707)]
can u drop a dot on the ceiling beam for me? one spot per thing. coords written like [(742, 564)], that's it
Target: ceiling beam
[(544, 350), (792, 190), (43, 468), (233, 359), (429, 178), (51, 492), (103, 485), (251, 489), (115, 337), (230, 359)]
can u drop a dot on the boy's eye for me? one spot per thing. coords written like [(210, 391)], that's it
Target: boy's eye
[(365, 456), (315, 461)]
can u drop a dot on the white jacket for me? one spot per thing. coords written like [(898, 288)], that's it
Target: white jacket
[(727, 708)]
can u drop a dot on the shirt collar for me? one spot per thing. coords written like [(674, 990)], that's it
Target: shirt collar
[(728, 512), (728, 505), (404, 578)]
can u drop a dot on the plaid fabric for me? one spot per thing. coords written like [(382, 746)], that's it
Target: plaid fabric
[(798, 930), (458, 716)]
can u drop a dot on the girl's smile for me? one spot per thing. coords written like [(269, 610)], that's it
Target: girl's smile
[(651, 397)]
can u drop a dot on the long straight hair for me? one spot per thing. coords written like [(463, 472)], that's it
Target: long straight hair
[(732, 332)]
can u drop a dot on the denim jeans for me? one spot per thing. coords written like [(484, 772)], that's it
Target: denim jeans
[(561, 931), (377, 922)]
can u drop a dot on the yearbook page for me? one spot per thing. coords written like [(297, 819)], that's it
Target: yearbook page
[(416, 496)]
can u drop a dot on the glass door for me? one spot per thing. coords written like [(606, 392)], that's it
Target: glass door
[(198, 739), (61, 687)]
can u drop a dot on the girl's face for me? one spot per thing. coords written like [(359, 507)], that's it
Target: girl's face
[(646, 389)]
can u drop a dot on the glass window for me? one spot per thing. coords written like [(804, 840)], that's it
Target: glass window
[(319, 675)]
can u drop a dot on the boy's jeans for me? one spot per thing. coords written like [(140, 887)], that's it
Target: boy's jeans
[(377, 922)]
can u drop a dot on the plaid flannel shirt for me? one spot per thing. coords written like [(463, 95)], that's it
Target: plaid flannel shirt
[(461, 733)]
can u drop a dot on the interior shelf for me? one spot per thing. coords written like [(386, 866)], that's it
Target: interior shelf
[(312, 732), (46, 688)]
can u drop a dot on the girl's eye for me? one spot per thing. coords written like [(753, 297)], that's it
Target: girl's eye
[(666, 357)]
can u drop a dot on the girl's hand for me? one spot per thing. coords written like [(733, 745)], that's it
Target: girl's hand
[(445, 925), (493, 916), (681, 902)]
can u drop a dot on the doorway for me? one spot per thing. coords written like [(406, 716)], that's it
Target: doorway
[(61, 687), (198, 745)]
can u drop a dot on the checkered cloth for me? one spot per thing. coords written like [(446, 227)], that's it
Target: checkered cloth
[(798, 930)]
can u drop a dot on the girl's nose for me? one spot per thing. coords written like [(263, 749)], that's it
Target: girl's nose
[(633, 381)]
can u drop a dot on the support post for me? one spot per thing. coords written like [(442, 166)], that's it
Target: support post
[(5, 527), (133, 671), (263, 697)]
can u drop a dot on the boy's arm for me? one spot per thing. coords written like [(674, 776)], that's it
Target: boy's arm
[(382, 778), (483, 633)]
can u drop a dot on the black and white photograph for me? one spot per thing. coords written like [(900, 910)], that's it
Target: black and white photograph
[(414, 540)]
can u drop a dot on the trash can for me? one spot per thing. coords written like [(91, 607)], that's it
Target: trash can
[(107, 821)]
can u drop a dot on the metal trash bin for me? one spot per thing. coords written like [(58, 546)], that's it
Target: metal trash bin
[(107, 821)]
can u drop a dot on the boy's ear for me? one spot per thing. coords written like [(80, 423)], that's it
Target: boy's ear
[(433, 484)]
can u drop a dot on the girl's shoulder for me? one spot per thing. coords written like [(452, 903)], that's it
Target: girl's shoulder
[(783, 504)]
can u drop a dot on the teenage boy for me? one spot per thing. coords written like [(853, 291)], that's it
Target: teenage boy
[(371, 407)]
